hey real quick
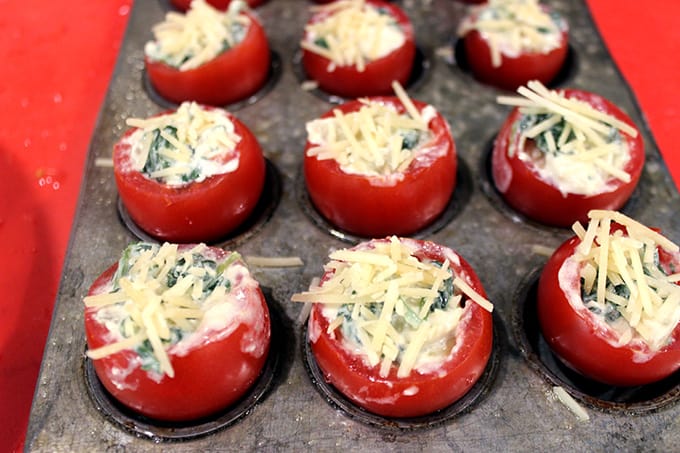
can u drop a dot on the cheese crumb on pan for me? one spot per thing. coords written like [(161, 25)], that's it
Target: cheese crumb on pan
[(571, 404)]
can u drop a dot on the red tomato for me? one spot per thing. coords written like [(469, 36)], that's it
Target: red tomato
[(204, 381), (419, 393), (522, 188), (222, 5), (376, 208), (231, 76), (377, 76), (582, 342), (199, 211), (513, 71)]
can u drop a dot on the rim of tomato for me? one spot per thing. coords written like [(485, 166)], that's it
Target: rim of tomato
[(178, 398), (419, 393), (378, 75), (220, 81), (569, 333), (524, 190), (199, 211), (381, 208)]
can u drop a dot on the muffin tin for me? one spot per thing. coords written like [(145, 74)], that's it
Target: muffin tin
[(512, 409)]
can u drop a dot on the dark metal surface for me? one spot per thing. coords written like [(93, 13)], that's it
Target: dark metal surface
[(518, 412)]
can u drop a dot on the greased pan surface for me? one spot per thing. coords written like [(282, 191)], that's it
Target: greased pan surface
[(514, 411)]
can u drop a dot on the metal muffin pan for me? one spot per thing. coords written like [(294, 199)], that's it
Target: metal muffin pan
[(515, 410)]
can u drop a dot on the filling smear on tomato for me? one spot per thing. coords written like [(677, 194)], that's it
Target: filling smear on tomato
[(377, 140), (353, 33), (186, 41), (515, 27), (577, 148), (392, 308), (163, 301), (188, 145), (617, 275)]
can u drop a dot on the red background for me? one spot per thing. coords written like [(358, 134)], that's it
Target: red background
[(57, 60)]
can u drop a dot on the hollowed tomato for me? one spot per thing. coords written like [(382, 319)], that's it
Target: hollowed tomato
[(231, 76), (421, 392), (210, 375), (198, 211), (523, 189), (222, 5), (377, 76), (581, 341), (371, 207), (513, 71)]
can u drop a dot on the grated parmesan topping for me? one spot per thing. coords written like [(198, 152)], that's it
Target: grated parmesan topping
[(161, 295), (513, 27), (582, 149), (375, 140), (391, 306), (186, 41), (352, 33), (188, 145), (623, 281)]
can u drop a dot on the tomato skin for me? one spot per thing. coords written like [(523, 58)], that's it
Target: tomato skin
[(222, 5), (377, 76), (523, 189), (379, 210), (392, 396), (582, 345), (200, 211), (513, 71), (220, 81), (204, 381)]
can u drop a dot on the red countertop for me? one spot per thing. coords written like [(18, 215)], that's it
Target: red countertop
[(58, 59)]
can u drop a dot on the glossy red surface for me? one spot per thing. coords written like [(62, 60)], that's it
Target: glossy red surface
[(578, 339), (394, 396), (195, 390), (379, 209), (41, 159)]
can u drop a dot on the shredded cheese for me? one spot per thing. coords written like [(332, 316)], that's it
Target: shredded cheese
[(158, 296), (624, 280), (186, 41), (187, 145), (513, 27), (352, 33), (375, 140), (392, 306), (582, 148)]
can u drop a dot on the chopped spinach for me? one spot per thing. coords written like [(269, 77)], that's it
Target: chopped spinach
[(411, 137), (146, 354), (155, 160)]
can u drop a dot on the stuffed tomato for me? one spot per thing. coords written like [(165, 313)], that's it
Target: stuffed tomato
[(401, 327), (379, 166), (193, 175), (609, 302), (208, 56), (222, 5), (509, 42), (355, 48), (177, 333), (560, 154)]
